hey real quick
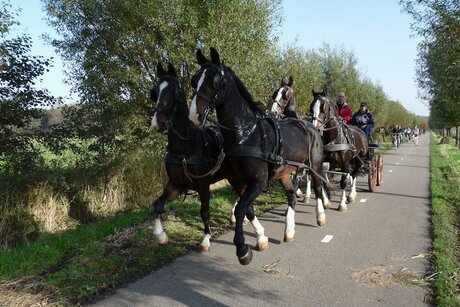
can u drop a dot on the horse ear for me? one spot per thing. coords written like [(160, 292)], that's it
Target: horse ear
[(160, 69), (172, 70), (313, 92), (215, 56), (290, 81), (325, 90), (200, 57)]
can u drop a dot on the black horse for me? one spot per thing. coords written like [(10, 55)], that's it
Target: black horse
[(284, 104), (258, 149), (345, 146), (194, 156)]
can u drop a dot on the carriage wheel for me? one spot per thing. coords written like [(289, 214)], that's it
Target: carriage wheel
[(372, 174), (379, 170)]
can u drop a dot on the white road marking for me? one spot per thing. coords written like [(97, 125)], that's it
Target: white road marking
[(327, 239), (363, 200)]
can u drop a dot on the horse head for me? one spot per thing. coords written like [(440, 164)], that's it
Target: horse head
[(209, 86), (320, 108), (166, 97), (283, 99)]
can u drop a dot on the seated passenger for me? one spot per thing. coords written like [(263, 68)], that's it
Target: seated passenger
[(363, 119)]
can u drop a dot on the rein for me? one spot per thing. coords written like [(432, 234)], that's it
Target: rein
[(211, 172)]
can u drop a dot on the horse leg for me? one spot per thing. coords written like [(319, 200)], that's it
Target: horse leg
[(205, 244), (308, 190), (325, 191), (232, 217), (244, 207), (354, 176), (296, 182), (289, 231), (352, 196), (343, 200), (317, 187), (169, 193)]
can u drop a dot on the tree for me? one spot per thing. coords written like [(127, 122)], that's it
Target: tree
[(438, 72), (112, 48), (20, 101)]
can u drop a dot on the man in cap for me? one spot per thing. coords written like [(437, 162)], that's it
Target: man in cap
[(342, 108), (363, 119)]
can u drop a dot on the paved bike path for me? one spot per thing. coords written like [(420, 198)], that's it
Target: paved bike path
[(378, 249)]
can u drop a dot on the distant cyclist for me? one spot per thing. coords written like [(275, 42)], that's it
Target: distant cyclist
[(395, 135), (416, 133), (363, 119)]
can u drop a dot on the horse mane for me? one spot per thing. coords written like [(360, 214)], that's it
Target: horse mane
[(244, 92), (333, 104)]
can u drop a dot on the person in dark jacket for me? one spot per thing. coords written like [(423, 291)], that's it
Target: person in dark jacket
[(363, 119)]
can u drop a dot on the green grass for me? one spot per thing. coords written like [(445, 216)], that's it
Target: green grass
[(445, 179), (76, 266)]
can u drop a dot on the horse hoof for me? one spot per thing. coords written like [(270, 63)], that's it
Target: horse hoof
[(321, 222), (162, 239), (343, 208), (351, 199), (204, 249), (288, 237), (261, 246), (246, 259), (327, 205)]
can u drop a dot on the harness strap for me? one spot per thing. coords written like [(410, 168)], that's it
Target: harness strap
[(278, 138), (240, 150), (190, 159)]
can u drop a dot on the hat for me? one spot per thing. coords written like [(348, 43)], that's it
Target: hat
[(363, 103)]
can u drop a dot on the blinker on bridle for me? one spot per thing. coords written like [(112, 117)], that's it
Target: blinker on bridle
[(218, 82)]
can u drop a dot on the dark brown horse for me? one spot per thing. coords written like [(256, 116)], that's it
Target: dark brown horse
[(345, 147), (258, 149), (284, 104), (194, 156)]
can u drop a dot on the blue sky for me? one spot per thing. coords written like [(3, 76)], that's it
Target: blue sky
[(376, 31)]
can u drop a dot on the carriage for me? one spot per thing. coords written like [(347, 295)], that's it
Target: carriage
[(372, 168), (375, 168)]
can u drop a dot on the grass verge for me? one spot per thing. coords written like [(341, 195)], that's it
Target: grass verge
[(76, 266), (445, 180)]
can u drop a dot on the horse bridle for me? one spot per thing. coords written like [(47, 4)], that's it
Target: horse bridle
[(215, 101), (325, 120), (178, 94), (218, 83)]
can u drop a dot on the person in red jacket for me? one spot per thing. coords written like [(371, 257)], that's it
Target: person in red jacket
[(342, 108)]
